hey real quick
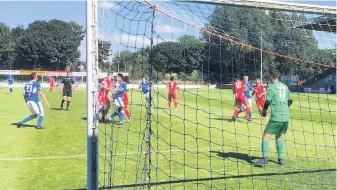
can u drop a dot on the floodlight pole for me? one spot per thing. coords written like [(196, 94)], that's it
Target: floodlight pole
[(92, 82)]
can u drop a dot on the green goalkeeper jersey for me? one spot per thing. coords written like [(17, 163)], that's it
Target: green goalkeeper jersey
[(278, 94)]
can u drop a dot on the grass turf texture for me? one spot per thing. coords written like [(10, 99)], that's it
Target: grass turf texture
[(194, 147)]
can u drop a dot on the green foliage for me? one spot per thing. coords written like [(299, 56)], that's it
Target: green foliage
[(6, 46), (249, 26), (103, 55), (169, 75), (195, 76), (193, 53), (168, 57), (49, 45), (136, 63)]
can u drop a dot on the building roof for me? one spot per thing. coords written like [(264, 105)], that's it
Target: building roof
[(322, 23)]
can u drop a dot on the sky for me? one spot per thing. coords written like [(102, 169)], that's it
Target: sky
[(117, 26)]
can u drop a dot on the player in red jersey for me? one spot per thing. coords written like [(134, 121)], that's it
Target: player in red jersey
[(260, 92), (103, 99), (51, 83), (173, 90), (239, 88)]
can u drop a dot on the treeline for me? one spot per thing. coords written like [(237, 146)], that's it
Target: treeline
[(210, 58), (43, 45), (52, 45)]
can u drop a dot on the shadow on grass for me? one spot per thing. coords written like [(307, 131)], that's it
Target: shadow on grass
[(100, 121), (236, 155), (239, 156), (23, 125), (229, 119), (212, 179), (58, 109)]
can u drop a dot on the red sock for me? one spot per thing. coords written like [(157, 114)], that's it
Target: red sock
[(247, 112), (176, 104), (169, 104), (127, 113), (236, 113)]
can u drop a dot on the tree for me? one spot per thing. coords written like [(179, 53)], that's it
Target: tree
[(136, 63), (50, 45), (193, 52), (16, 35), (249, 25), (167, 57), (6, 46), (103, 55), (195, 76)]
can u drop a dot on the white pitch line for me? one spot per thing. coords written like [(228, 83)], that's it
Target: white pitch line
[(136, 153)]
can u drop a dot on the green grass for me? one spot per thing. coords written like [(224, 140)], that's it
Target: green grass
[(54, 158)]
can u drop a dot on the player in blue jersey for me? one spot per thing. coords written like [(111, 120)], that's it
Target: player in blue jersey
[(118, 100), (145, 86), (249, 87), (32, 90), (10, 81)]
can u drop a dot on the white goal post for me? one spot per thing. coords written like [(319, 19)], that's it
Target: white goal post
[(91, 93)]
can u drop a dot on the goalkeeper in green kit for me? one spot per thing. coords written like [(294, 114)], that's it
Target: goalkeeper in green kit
[(279, 98)]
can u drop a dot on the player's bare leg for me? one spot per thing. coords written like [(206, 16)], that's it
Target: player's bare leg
[(169, 104), (175, 104), (248, 108), (260, 111)]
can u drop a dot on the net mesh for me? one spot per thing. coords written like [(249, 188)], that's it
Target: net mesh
[(204, 46)]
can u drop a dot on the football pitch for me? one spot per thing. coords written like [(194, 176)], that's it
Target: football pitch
[(192, 147)]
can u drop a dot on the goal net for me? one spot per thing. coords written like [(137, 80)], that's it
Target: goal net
[(188, 140)]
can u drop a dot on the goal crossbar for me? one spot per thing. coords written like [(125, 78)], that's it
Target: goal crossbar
[(283, 6)]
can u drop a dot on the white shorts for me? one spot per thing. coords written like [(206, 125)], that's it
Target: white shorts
[(249, 102), (35, 107), (10, 86), (147, 95), (119, 102)]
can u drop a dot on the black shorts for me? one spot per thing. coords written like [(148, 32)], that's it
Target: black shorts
[(68, 93)]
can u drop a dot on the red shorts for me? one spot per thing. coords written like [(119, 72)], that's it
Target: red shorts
[(102, 98), (240, 100), (172, 96), (126, 103), (260, 102)]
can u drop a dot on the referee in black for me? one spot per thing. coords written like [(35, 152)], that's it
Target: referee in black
[(67, 91)]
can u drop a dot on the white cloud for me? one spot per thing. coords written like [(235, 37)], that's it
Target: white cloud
[(168, 29), (106, 4)]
